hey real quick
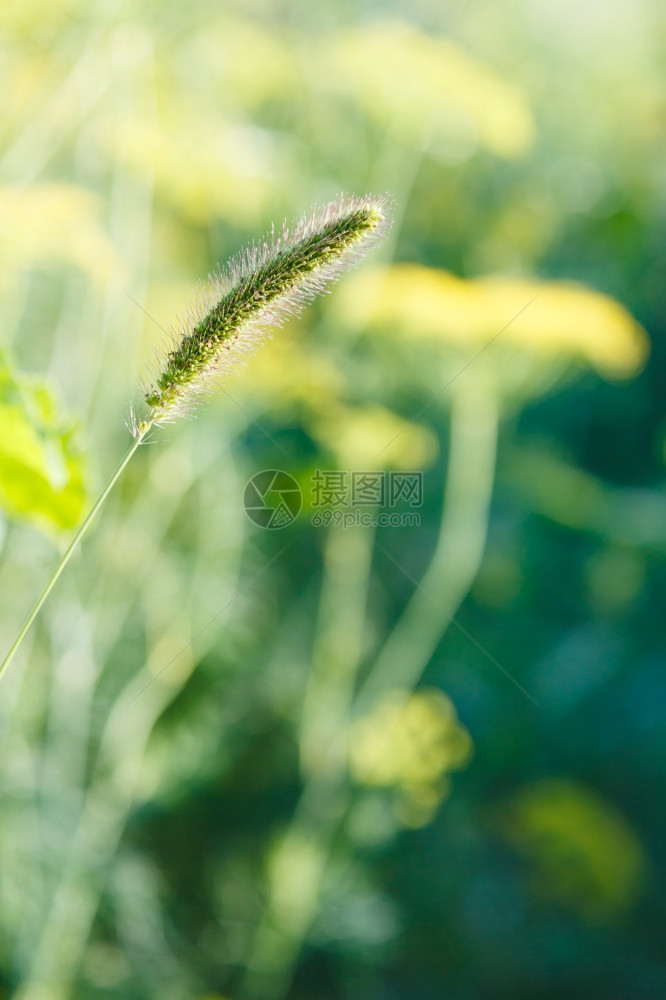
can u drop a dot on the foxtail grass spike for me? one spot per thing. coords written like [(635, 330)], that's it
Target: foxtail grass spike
[(260, 288)]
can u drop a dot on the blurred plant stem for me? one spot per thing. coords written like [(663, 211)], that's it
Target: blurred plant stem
[(66, 927), (458, 553), (337, 648), (329, 701), (336, 657), (71, 548)]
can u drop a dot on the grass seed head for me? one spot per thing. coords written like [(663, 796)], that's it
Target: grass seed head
[(260, 288)]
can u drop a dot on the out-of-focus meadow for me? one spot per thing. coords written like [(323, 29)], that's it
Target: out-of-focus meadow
[(408, 761)]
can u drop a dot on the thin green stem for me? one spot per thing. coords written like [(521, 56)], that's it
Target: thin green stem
[(337, 650), (458, 553), (67, 555)]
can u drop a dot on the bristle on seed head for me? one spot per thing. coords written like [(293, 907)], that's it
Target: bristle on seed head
[(260, 288)]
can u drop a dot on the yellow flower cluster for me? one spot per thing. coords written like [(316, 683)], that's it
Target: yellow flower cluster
[(562, 320), (409, 742), (373, 437), (427, 89), (61, 222)]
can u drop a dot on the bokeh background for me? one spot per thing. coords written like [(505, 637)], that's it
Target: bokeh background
[(397, 763)]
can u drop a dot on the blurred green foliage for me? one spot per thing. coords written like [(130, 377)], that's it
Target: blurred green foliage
[(581, 852), (393, 763), (41, 470)]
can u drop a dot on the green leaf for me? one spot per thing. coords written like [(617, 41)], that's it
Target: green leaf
[(42, 474)]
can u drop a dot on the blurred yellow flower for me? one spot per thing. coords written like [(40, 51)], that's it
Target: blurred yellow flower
[(245, 61), (409, 742), (292, 372), (373, 437), (41, 16), (564, 320), (55, 222), (232, 174), (580, 850), (425, 86)]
